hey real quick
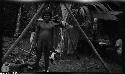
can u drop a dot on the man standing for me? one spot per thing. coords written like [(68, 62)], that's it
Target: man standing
[(43, 32)]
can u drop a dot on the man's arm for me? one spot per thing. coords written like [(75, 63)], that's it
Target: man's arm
[(63, 25), (59, 24)]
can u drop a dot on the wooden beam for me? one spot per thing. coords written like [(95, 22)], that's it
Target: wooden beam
[(23, 33), (90, 43)]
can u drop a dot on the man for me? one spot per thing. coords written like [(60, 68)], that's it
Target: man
[(43, 32)]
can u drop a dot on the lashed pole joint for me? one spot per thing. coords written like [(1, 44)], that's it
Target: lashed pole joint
[(23, 33), (77, 24)]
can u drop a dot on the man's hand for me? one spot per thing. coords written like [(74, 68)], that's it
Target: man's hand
[(66, 25), (70, 26)]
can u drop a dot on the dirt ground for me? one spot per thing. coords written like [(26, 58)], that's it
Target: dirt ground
[(68, 64)]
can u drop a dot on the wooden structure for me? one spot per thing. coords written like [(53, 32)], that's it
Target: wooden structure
[(77, 25)]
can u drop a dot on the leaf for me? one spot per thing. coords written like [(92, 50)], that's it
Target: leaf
[(82, 12), (109, 7), (104, 16), (85, 8), (102, 7), (111, 12), (96, 8), (115, 12)]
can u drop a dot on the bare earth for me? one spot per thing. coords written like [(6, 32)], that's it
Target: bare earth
[(69, 64)]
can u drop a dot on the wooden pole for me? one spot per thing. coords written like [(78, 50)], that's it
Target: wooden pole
[(23, 33), (77, 24)]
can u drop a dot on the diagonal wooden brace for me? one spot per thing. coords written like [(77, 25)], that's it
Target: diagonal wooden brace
[(23, 33), (77, 24)]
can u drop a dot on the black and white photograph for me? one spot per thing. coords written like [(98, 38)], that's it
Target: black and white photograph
[(81, 36)]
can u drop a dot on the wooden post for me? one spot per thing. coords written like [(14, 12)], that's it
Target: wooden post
[(23, 33), (77, 24)]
